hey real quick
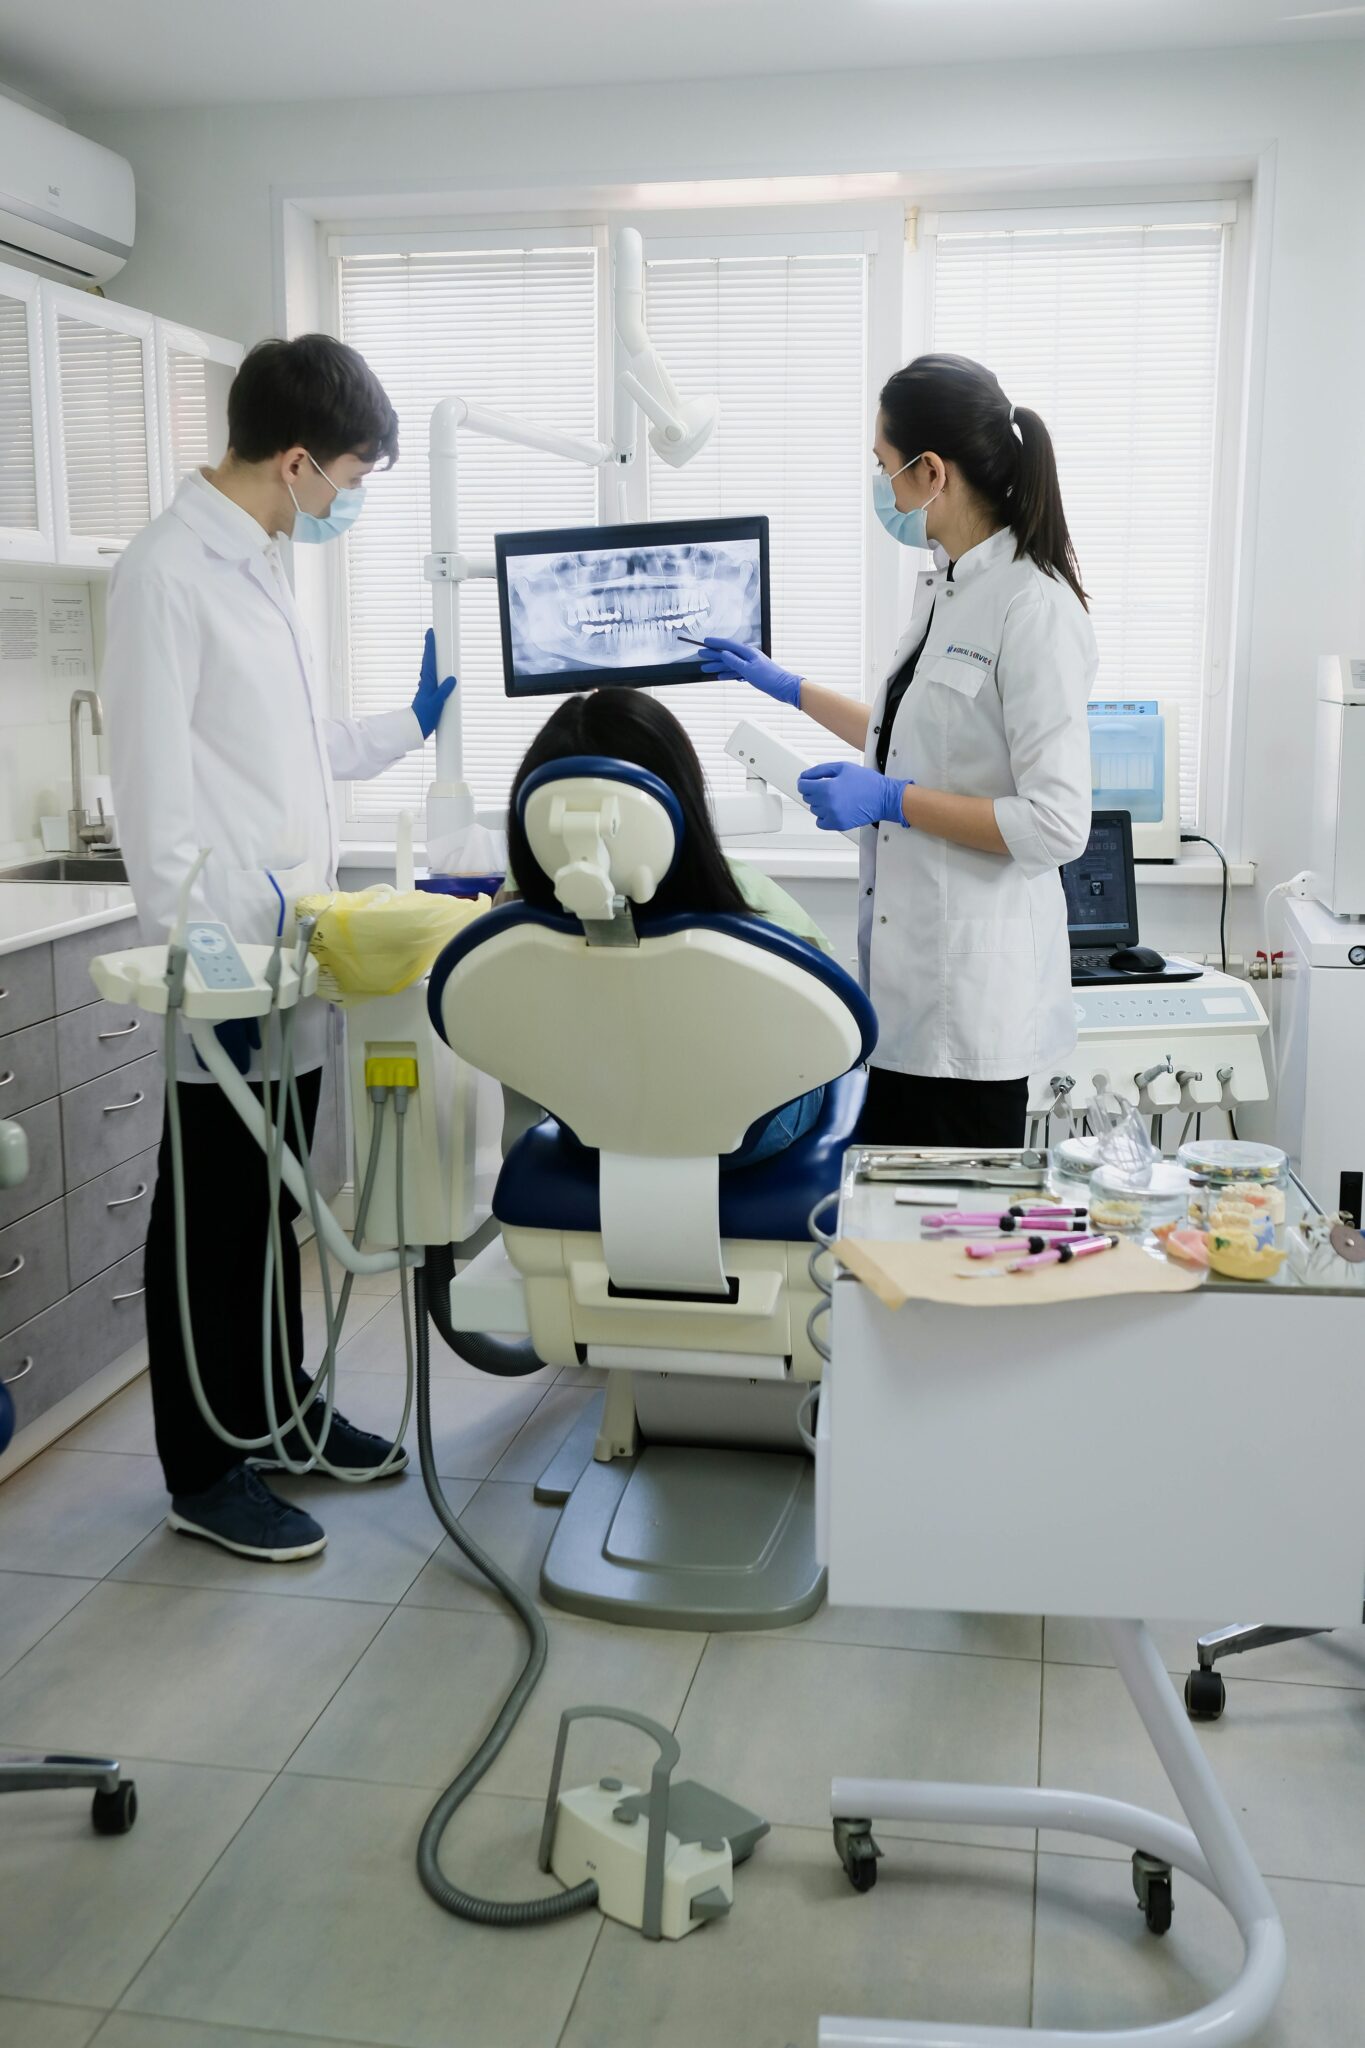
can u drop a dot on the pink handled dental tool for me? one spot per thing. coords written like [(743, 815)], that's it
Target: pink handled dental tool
[(953, 1222), (1060, 1254), (993, 1248)]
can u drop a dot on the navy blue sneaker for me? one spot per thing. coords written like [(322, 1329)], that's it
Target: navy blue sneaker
[(355, 1450), (240, 1513)]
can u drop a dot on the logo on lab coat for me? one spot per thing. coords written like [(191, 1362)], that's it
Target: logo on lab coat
[(957, 652)]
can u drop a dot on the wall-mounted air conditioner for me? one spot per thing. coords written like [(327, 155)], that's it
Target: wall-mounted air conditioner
[(66, 204)]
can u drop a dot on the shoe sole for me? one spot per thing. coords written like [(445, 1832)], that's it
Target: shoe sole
[(259, 1555), (273, 1465)]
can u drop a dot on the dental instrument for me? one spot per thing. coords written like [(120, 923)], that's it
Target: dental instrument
[(1062, 1254), (988, 1248)]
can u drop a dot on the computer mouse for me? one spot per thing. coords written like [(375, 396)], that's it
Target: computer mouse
[(1137, 960)]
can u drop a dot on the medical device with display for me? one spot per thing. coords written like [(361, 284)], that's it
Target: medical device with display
[(1135, 767)]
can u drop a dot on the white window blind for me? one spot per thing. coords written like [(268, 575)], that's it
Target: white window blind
[(782, 341), (515, 331), (187, 394), (1112, 335), (18, 467), (104, 430)]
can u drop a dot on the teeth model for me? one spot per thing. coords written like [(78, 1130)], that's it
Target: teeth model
[(609, 608)]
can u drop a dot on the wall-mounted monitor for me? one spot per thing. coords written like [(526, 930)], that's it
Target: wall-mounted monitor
[(581, 607)]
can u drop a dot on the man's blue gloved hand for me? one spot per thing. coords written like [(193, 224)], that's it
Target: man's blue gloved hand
[(431, 696), (239, 1038), (845, 794), (732, 659)]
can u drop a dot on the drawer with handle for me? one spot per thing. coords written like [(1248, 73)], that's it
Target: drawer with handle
[(28, 1067), (50, 1357), (26, 988), (100, 1037), (32, 1265), (42, 1126), (72, 986), (107, 1218), (110, 1120)]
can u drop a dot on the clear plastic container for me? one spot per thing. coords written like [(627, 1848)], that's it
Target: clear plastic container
[(1117, 1204), (1071, 1163), (1236, 1186)]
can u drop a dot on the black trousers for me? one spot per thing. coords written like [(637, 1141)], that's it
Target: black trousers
[(919, 1109), (227, 1210)]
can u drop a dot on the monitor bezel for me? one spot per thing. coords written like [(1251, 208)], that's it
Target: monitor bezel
[(1095, 937), (554, 540)]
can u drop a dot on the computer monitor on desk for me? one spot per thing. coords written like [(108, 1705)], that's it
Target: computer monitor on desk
[(1101, 911)]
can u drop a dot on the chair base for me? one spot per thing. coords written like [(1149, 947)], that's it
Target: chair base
[(689, 1538)]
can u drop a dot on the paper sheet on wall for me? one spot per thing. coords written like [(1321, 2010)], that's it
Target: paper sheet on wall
[(22, 698), (67, 638), (914, 1271)]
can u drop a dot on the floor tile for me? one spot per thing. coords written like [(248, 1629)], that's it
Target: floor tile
[(771, 1722), (310, 1269), (1290, 1760), (1096, 1965), (361, 1310), (472, 1423), (141, 2030), (583, 1376), (378, 1539), (78, 1512), (897, 1628), (378, 1347), (541, 1435), (45, 2026), (123, 1424), (422, 1696), (29, 1606), (84, 1911), (947, 1933), (320, 1891), (187, 1676), (512, 1526), (1336, 1659)]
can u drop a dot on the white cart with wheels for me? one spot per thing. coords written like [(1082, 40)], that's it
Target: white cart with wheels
[(1145, 1455)]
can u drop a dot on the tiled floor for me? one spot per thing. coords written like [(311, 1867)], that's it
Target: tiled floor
[(287, 1730)]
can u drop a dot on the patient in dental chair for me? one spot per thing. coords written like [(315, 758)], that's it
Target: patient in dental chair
[(628, 725)]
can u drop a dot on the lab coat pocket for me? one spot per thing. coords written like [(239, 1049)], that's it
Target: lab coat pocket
[(256, 909), (991, 985), (963, 673)]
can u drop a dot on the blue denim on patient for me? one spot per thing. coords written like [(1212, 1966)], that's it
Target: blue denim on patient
[(782, 1129)]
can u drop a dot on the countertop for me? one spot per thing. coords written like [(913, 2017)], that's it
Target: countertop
[(33, 912)]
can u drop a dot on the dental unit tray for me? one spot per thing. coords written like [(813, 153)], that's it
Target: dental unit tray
[(138, 976), (1015, 1166)]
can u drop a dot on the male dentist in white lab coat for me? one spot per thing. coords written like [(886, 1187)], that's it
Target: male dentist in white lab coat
[(219, 738)]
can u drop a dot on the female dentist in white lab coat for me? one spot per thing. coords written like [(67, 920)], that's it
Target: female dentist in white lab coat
[(974, 787)]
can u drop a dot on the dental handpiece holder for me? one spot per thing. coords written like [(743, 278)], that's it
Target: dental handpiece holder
[(138, 976)]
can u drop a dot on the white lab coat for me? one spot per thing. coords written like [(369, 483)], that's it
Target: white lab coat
[(965, 954), (216, 737)]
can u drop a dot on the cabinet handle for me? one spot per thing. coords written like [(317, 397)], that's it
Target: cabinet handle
[(4, 995), (126, 1032), (22, 1374), (116, 549), (17, 1267), (124, 1200), (131, 1295), (6, 1078), (111, 1107)]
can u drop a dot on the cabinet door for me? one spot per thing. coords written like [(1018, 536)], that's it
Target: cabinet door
[(101, 380), (193, 373), (26, 531)]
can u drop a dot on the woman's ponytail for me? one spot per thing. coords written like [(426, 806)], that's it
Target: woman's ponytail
[(956, 407)]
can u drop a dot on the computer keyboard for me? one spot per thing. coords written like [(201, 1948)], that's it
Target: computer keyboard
[(1083, 963)]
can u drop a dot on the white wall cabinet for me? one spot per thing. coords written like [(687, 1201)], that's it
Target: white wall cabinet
[(193, 373), (26, 526)]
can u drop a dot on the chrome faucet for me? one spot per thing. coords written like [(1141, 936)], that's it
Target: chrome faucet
[(81, 828)]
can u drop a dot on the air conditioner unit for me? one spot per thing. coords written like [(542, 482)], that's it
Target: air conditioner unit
[(66, 204)]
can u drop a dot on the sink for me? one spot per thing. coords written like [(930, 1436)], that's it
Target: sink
[(69, 867)]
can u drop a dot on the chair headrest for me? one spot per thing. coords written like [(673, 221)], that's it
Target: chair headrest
[(601, 830)]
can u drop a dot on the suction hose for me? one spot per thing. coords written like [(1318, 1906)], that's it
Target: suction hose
[(507, 1358)]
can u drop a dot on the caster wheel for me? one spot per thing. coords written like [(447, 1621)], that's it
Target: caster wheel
[(1152, 1886), (113, 1813), (1205, 1695), (858, 1853)]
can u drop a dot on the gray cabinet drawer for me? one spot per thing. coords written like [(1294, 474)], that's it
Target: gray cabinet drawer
[(32, 1265), (101, 1036), (107, 1218), (72, 986), (111, 1120), (25, 987), (28, 1067), (50, 1357), (42, 1125)]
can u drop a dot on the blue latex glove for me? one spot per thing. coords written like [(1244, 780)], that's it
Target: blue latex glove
[(431, 696), (844, 794), (731, 658), (239, 1038)]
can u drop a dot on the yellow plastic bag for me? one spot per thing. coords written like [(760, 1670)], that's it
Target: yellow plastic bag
[(379, 941)]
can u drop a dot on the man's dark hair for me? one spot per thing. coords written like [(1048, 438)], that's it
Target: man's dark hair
[(312, 392)]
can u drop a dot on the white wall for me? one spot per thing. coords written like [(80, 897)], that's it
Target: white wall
[(209, 185), (39, 668)]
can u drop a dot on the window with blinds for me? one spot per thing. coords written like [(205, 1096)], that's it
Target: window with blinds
[(782, 341), (104, 430), (512, 330), (187, 409), (1112, 334), (18, 459)]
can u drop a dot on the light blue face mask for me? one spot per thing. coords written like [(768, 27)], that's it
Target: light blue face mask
[(906, 527), (345, 509)]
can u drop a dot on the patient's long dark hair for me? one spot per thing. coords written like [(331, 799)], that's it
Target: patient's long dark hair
[(628, 725)]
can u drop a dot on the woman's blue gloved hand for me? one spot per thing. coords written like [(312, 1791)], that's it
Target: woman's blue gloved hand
[(431, 696), (845, 794), (732, 659)]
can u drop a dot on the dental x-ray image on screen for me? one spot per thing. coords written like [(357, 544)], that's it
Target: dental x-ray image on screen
[(586, 606)]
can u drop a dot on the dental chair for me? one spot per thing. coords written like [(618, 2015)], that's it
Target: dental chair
[(657, 1046)]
